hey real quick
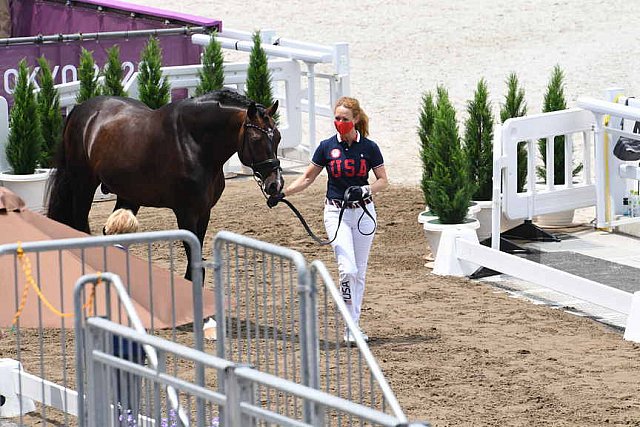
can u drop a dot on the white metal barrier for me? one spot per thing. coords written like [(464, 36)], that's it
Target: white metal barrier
[(614, 177), (576, 125)]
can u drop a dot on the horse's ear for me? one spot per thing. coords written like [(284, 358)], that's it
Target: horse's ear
[(272, 110), (252, 110)]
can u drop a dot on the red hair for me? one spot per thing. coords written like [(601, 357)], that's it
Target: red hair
[(352, 104)]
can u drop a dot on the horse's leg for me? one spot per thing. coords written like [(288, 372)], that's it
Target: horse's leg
[(125, 204), (81, 202), (203, 223), (188, 221)]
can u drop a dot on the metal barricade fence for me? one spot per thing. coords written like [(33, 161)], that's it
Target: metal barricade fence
[(346, 370), (37, 314), (239, 397), (262, 297), (120, 396), (268, 301)]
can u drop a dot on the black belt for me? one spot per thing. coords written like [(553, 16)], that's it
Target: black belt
[(349, 205)]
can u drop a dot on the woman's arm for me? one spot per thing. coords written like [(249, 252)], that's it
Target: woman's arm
[(303, 181), (381, 181)]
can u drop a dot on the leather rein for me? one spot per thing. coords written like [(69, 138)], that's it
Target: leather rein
[(344, 206)]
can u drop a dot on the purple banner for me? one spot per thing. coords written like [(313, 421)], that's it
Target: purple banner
[(49, 17)]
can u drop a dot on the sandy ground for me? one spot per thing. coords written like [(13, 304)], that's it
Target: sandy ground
[(456, 352), (399, 49)]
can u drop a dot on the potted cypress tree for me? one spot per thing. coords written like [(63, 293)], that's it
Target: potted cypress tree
[(478, 147), (24, 146), (554, 100), (49, 113), (425, 126), (154, 89), (515, 106), (259, 76), (449, 188), (212, 74), (88, 77), (112, 72)]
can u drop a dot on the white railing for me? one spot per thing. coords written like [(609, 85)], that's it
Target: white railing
[(614, 177), (576, 125)]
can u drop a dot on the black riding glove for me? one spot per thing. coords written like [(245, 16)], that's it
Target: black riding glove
[(274, 200), (356, 193)]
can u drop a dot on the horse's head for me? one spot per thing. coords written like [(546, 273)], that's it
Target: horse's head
[(259, 147)]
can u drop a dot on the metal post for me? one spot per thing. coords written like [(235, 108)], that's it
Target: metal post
[(98, 411), (232, 413), (615, 187), (341, 63), (198, 321), (246, 393), (220, 321), (601, 160), (311, 99), (497, 186)]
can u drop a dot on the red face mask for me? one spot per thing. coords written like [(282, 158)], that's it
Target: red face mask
[(343, 128)]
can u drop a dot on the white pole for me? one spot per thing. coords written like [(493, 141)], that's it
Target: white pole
[(311, 99)]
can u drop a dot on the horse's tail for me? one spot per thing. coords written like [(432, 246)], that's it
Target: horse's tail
[(61, 185)]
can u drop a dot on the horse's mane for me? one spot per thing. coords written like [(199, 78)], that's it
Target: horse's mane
[(226, 96)]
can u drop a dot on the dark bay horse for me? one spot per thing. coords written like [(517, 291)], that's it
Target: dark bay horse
[(171, 157)]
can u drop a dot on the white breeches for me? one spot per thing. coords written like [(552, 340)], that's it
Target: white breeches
[(351, 248)]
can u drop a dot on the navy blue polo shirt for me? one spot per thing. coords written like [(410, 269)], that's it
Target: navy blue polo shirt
[(347, 166)]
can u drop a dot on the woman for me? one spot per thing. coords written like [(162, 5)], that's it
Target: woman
[(348, 157)]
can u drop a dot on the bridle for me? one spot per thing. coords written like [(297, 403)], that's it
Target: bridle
[(264, 168)]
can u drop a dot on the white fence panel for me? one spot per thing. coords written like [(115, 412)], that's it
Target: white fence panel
[(576, 125)]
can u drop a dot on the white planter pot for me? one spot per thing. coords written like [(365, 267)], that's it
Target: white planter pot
[(31, 188), (485, 208), (555, 219), (426, 215), (474, 209), (433, 229)]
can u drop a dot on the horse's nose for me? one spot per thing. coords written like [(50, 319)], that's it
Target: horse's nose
[(272, 189)]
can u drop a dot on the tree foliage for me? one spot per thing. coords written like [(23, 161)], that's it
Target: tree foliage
[(212, 74), (88, 77), (425, 127), (49, 113), (259, 75), (24, 145), (154, 89), (516, 106), (479, 142), (449, 188), (554, 100), (113, 73)]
